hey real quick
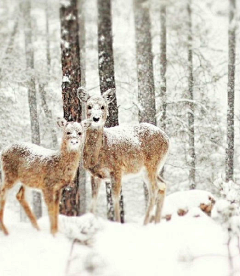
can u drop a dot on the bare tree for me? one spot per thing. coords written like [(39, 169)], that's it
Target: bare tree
[(32, 98), (190, 104), (107, 79), (82, 45), (231, 85), (146, 89), (163, 64), (70, 202), (42, 84)]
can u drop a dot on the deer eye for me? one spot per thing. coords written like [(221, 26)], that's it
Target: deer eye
[(79, 133), (89, 107), (68, 133), (102, 107)]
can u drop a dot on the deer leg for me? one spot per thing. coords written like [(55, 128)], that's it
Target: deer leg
[(56, 211), (160, 199), (151, 184), (22, 200), (116, 189), (96, 182), (51, 203), (3, 195)]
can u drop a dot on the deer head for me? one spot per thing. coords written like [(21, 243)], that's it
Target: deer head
[(97, 106), (73, 133)]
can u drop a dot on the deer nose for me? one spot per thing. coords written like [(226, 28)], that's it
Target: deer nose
[(74, 142), (95, 119)]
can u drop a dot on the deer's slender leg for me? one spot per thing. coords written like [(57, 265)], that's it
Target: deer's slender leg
[(116, 180), (3, 195), (96, 183), (160, 199), (151, 185), (56, 210), (49, 199), (22, 200)]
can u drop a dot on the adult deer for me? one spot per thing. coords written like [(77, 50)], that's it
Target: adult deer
[(44, 169), (120, 150)]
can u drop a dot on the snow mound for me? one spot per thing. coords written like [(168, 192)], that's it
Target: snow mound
[(81, 228), (192, 202)]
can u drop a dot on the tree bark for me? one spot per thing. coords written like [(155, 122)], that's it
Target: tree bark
[(231, 87), (32, 98), (146, 89), (70, 201), (107, 79), (190, 105)]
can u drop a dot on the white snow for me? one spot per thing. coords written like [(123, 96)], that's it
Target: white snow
[(185, 246)]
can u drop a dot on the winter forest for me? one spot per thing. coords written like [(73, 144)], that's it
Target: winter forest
[(173, 64)]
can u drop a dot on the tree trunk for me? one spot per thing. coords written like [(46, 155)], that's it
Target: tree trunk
[(163, 65), (231, 84), (107, 79), (146, 89), (70, 201), (32, 99), (190, 105), (82, 44)]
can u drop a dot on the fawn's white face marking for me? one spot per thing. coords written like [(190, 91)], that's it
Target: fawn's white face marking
[(97, 111)]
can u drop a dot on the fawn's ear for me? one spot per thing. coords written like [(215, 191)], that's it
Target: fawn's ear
[(82, 94), (109, 95), (61, 122), (86, 124)]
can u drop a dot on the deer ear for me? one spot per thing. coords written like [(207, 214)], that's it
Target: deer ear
[(61, 122), (109, 95), (82, 94), (86, 124)]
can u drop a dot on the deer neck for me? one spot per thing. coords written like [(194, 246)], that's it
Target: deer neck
[(92, 147), (67, 156)]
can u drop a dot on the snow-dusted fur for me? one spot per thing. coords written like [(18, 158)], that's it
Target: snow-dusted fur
[(44, 169), (121, 150)]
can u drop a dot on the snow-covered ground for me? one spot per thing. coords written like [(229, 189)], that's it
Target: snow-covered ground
[(187, 245)]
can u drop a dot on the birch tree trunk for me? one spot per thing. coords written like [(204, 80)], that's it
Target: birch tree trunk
[(70, 201), (231, 85), (32, 98), (190, 106), (107, 80)]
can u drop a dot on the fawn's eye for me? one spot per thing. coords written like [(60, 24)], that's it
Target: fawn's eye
[(102, 107), (79, 133), (68, 133), (89, 107)]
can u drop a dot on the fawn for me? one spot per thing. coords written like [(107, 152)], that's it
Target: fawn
[(118, 151), (43, 169)]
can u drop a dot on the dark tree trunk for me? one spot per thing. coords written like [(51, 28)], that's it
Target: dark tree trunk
[(107, 79), (231, 84), (32, 98), (190, 105), (70, 201), (146, 89), (82, 44), (163, 65)]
